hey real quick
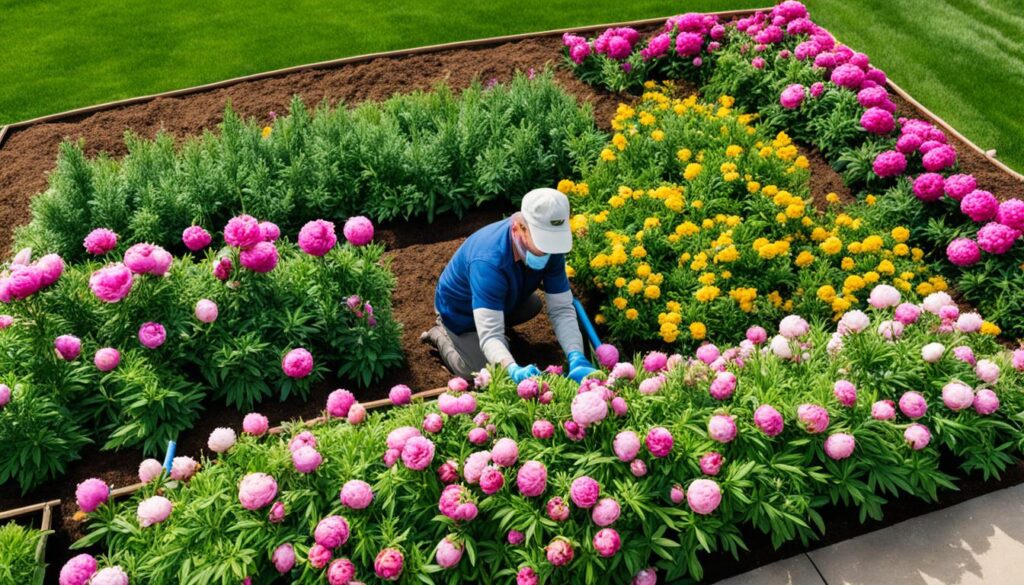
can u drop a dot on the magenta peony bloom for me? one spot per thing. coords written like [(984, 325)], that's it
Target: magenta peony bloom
[(963, 252), (110, 576), (297, 363), (607, 355), (877, 121), (111, 283), (659, 442), (505, 452), (449, 552), (222, 269), (979, 205), (689, 44), (269, 231), (491, 480), (528, 389), (722, 428), (316, 238), (196, 238), (655, 361), (284, 558), (221, 439), (255, 424), (711, 463), (256, 490), (913, 405), (303, 439), (5, 321), (433, 423), (339, 403), (50, 267), (341, 572), (957, 396), (152, 335), (532, 479), (883, 410), (206, 311), (619, 406), (559, 551), (848, 75), (557, 509), (757, 335), (792, 96), (589, 408), (839, 446), (183, 468), (814, 418), (1011, 214), (986, 402), (638, 468), (68, 347), (573, 431), (964, 354), (996, 238), (100, 241), (306, 459), (277, 513), (939, 158), (958, 186), (918, 436), (261, 258), (388, 564), (626, 446), (154, 510), (889, 164), (5, 395), (648, 576), (331, 532), (319, 555), (149, 470), (77, 570), (723, 386), (358, 231), (929, 187), (243, 232), (584, 491), (543, 429), (418, 453), (400, 395), (607, 542), (515, 538), (91, 493), (148, 259), (703, 496), (23, 282), (526, 575)]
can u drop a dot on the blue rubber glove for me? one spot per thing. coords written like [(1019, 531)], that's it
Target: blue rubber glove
[(579, 367), (519, 373)]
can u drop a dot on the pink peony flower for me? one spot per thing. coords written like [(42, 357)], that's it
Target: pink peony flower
[(526, 575), (474, 466), (433, 423), (221, 439), (845, 392), (306, 459), (877, 121), (987, 371), (478, 436), (963, 252), (964, 354), (269, 231), (532, 479), (703, 496), (149, 470), (418, 453), (559, 551), (626, 446), (1011, 214), (68, 347), (196, 238), (659, 442), (505, 452), (605, 512), (243, 232), (100, 241), (183, 468), (589, 408), (319, 555), (624, 371), (5, 321), (996, 238), (918, 436), (979, 205), (297, 363), (711, 463), (638, 468), (152, 335), (986, 402), (261, 258), (768, 420), (316, 238), (277, 513), (607, 542), (77, 570), (543, 429), (689, 44), (653, 362), (958, 186), (284, 558), (358, 231), (584, 491), (884, 296), (939, 158), (91, 493), (340, 402), (400, 395), (449, 552), (792, 96), (331, 532), (890, 163), (932, 352), (206, 311), (515, 538), (814, 418), (50, 268), (957, 396), (557, 509), (573, 431), (389, 562), (757, 335), (847, 75), (147, 259), (111, 283), (839, 446), (110, 576), (341, 572), (651, 385), (255, 424), (913, 405), (648, 576), (154, 510), (257, 490), (793, 326), (619, 406), (222, 269), (722, 428), (5, 395), (491, 480), (723, 385), (929, 186), (883, 410), (528, 389), (303, 439), (607, 355)]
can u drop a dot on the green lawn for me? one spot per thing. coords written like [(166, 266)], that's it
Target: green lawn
[(964, 59)]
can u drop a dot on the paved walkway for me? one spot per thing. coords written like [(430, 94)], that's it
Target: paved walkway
[(980, 541)]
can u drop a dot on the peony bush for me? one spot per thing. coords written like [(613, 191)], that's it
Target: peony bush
[(846, 415), (19, 547)]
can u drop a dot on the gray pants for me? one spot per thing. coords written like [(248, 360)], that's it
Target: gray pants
[(461, 353)]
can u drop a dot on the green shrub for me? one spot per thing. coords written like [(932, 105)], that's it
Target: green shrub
[(19, 547)]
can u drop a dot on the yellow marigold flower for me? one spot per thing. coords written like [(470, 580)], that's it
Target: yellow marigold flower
[(632, 314), (684, 258), (600, 319), (582, 189), (870, 199), (733, 150), (607, 155), (826, 293), (600, 217), (901, 249), (707, 224), (794, 211), (726, 274), (733, 220), (801, 162), (651, 222), (847, 263), (726, 101), (843, 220), (873, 243), (656, 278), (706, 278), (565, 186), (901, 284), (599, 261), (886, 267), (684, 154), (804, 259), (570, 271), (781, 139), (853, 283), (619, 141), (989, 328), (700, 262), (760, 243), (727, 254), (939, 283), (638, 252), (578, 222), (907, 275), (753, 187), (781, 217), (786, 153), (620, 282), (855, 247), (675, 203), (900, 234), (697, 204), (635, 286), (652, 292), (647, 119), (691, 171), (924, 289), (698, 330), (657, 136), (916, 254), (643, 270), (840, 305), (620, 303), (672, 238), (687, 228), (871, 277), (832, 198), (616, 202), (775, 298), (266, 131)]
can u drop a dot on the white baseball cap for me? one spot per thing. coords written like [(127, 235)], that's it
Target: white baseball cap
[(546, 211)]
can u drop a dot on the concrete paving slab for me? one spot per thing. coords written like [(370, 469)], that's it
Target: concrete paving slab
[(980, 541), (796, 570)]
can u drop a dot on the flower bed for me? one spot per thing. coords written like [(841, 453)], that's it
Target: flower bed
[(667, 457)]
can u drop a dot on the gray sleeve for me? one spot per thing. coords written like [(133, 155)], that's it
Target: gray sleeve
[(490, 326), (562, 315)]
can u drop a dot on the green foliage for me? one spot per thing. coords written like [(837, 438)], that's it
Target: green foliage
[(774, 485), (20, 559), (417, 155)]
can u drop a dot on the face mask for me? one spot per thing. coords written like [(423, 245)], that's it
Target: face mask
[(536, 262)]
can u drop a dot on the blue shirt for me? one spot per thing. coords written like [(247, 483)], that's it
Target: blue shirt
[(484, 274)]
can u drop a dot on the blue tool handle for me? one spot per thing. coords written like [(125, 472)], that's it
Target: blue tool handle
[(588, 327), (171, 447)]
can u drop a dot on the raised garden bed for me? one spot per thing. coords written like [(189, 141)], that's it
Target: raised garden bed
[(417, 252)]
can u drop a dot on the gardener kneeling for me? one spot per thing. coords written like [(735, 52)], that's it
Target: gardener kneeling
[(491, 284)]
